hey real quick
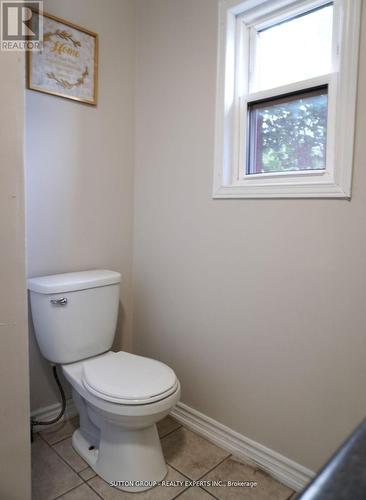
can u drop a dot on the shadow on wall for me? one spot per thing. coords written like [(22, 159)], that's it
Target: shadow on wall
[(119, 339), (43, 388)]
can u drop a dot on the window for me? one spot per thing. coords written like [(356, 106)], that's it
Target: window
[(286, 98), (295, 49), (288, 133)]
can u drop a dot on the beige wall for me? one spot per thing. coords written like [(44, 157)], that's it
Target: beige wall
[(79, 171), (14, 408), (259, 305)]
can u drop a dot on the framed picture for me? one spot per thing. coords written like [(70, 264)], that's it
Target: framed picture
[(67, 65)]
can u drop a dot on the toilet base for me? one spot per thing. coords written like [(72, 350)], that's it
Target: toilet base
[(84, 448), (130, 460)]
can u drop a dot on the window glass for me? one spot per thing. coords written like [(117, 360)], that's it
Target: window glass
[(294, 50), (288, 133)]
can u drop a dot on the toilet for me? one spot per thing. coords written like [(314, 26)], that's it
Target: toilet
[(119, 396)]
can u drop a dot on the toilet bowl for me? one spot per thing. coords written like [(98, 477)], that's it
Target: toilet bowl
[(118, 415), (119, 396)]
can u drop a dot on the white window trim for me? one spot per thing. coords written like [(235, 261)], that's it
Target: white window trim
[(335, 181)]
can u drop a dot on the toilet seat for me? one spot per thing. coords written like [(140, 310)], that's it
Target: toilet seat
[(128, 379)]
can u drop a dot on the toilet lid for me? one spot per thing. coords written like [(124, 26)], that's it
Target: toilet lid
[(128, 379)]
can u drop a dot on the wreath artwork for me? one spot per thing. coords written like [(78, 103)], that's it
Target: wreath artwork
[(67, 63), (64, 35), (67, 85)]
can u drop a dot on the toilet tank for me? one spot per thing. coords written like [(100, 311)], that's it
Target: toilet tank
[(74, 314)]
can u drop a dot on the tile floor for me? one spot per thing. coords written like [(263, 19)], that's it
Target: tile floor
[(59, 473)]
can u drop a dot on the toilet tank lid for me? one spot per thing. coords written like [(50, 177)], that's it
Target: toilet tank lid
[(69, 282)]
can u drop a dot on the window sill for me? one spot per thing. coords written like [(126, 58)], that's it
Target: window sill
[(323, 190)]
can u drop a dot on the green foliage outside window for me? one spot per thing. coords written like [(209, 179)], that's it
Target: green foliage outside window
[(289, 135)]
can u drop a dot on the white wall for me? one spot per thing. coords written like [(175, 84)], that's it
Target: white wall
[(14, 386), (259, 305), (79, 171)]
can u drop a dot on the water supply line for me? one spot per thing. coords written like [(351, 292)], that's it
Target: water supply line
[(62, 410)]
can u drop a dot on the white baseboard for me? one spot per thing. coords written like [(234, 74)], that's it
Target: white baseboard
[(49, 412), (285, 470)]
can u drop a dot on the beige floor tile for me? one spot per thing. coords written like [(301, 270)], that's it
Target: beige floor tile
[(51, 477), (66, 451), (82, 492), (232, 469), (157, 493), (195, 493), (167, 425), (191, 454), (87, 474), (60, 431)]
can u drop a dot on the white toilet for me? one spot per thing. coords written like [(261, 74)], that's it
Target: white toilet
[(119, 396)]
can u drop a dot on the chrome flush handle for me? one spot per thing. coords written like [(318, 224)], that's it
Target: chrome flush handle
[(59, 302)]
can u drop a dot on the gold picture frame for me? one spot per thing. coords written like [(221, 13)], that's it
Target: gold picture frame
[(67, 65)]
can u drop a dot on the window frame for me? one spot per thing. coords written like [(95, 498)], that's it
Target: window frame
[(238, 24)]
